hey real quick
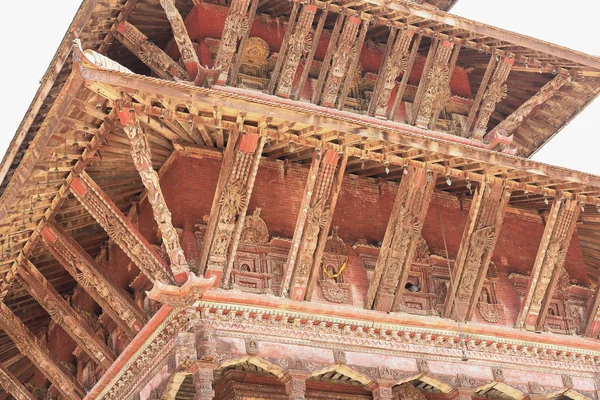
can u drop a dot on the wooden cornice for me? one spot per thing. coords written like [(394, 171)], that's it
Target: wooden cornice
[(64, 315), (90, 276), (39, 355), (11, 385)]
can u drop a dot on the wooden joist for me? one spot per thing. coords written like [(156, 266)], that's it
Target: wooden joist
[(548, 264), (90, 276), (64, 315), (400, 241), (476, 248), (32, 348)]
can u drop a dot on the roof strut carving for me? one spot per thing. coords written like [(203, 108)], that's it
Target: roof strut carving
[(592, 321), (400, 240)]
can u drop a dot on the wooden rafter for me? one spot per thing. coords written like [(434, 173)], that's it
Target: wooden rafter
[(11, 385), (64, 315), (548, 264), (90, 276), (476, 248), (120, 229), (32, 348), (400, 241)]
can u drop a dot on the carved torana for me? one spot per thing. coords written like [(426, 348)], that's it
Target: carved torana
[(400, 241)]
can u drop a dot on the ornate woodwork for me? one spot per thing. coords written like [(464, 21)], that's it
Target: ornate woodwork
[(39, 355), (113, 300), (230, 204), (495, 93), (476, 248), (142, 158), (548, 264), (65, 316), (400, 241), (150, 54), (119, 229), (11, 385), (312, 225), (436, 85), (592, 326)]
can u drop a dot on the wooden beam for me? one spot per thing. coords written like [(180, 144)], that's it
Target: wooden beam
[(90, 276), (592, 321), (404, 81), (230, 203), (150, 54), (142, 159), (511, 123), (189, 58), (548, 263), (32, 348), (290, 32), (12, 386), (495, 93), (315, 214), (126, 11), (64, 315), (120, 229), (400, 241), (476, 248), (235, 70)]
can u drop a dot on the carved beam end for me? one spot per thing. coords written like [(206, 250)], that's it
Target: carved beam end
[(191, 290)]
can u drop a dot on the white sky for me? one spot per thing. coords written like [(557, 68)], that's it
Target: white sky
[(30, 43)]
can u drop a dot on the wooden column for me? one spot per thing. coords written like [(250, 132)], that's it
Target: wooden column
[(495, 93), (113, 300), (120, 229), (548, 263), (436, 81), (150, 54), (400, 240), (592, 321), (64, 315), (12, 386), (299, 44), (344, 50), (189, 58), (142, 159), (230, 203), (312, 224), (476, 248), (39, 355)]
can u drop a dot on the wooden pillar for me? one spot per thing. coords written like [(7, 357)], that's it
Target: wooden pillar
[(113, 300), (400, 240), (12, 386), (120, 229), (548, 264), (476, 248), (64, 315), (32, 348), (312, 224)]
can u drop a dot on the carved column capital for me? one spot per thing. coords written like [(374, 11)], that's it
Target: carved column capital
[(203, 376), (463, 393), (295, 384), (381, 389)]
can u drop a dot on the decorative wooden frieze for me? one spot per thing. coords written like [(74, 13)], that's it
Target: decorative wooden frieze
[(396, 63), (344, 53), (113, 300), (511, 123), (495, 93), (476, 248), (237, 25), (12, 386), (150, 54), (65, 316), (189, 58), (400, 241), (299, 45), (230, 203), (312, 224), (142, 159), (120, 229), (548, 263), (436, 81), (32, 348)]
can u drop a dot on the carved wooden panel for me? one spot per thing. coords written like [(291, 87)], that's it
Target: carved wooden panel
[(477, 245), (400, 240), (549, 263)]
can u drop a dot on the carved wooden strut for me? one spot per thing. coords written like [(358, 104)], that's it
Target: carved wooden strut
[(237, 24), (400, 240), (476, 248), (11, 385)]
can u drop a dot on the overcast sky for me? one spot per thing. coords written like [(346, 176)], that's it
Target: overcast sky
[(30, 43)]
